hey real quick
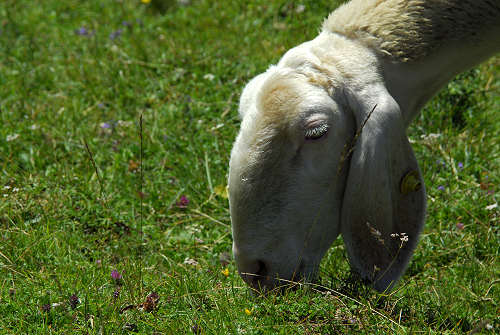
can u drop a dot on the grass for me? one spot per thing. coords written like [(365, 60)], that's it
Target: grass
[(76, 73)]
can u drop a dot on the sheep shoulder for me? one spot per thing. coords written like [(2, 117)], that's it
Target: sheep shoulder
[(410, 30)]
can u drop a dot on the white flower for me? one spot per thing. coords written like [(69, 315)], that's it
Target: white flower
[(209, 76), (490, 207), (12, 137), (190, 261), (430, 137), (300, 9), (124, 124)]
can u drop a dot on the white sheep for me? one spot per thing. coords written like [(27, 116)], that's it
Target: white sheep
[(322, 148)]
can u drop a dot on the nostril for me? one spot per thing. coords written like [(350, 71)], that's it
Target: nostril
[(259, 277), (261, 269)]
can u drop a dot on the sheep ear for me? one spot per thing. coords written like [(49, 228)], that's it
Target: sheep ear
[(384, 194), (250, 92)]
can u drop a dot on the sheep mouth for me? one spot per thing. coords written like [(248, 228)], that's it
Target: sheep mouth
[(261, 282)]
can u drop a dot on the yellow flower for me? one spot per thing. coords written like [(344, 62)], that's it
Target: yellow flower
[(248, 311), (145, 1), (225, 272), (221, 191)]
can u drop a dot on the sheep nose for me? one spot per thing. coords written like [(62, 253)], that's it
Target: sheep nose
[(256, 274)]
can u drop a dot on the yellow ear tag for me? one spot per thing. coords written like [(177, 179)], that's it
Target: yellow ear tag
[(410, 183)]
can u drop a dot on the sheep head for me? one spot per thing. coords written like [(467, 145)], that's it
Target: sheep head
[(293, 185)]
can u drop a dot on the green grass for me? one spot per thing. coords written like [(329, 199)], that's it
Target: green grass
[(63, 228)]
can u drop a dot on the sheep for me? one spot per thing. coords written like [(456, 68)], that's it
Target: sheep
[(322, 148)]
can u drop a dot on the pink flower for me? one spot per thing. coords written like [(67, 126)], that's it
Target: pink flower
[(460, 226), (116, 275), (183, 202)]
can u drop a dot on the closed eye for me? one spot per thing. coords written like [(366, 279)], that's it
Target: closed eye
[(317, 132)]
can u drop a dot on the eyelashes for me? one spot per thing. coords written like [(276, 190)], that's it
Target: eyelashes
[(316, 132)]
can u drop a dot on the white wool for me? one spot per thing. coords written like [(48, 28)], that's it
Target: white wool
[(409, 30), (356, 86)]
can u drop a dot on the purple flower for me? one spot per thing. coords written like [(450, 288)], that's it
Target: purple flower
[(82, 31), (183, 202), (105, 125), (441, 187), (460, 165), (460, 226), (74, 301), (116, 34), (101, 105), (126, 24), (116, 275), (46, 308), (116, 294)]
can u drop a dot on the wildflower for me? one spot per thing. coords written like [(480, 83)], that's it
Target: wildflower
[(98, 262), (82, 31), (460, 226), (131, 327), (440, 162), (300, 9), (460, 165), (101, 105), (441, 188), (74, 301), (190, 261), (105, 125), (116, 275), (183, 202), (146, 1), (133, 166), (196, 329), (404, 238), (225, 272), (34, 126), (12, 137), (491, 207), (151, 302), (126, 24), (209, 77), (375, 233), (248, 311), (221, 191), (116, 293), (46, 308), (116, 34), (430, 137), (125, 124)]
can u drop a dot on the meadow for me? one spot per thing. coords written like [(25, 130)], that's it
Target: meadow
[(116, 122)]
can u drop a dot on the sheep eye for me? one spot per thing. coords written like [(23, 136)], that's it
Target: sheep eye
[(316, 132)]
